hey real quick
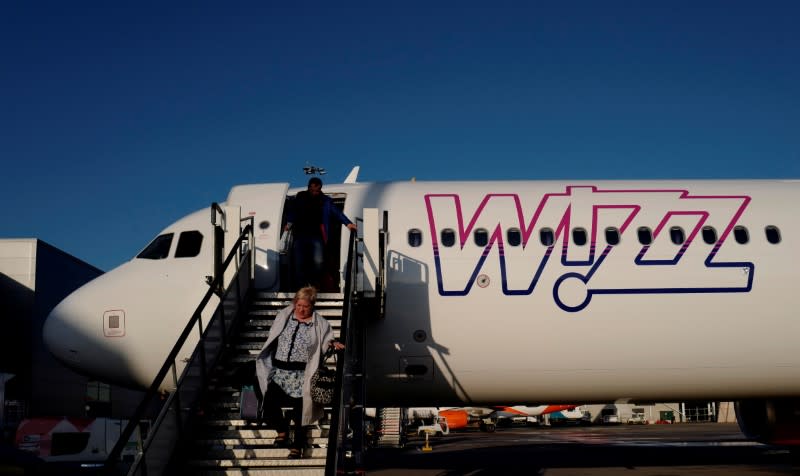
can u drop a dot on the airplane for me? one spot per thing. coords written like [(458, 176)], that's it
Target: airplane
[(528, 291), (489, 417)]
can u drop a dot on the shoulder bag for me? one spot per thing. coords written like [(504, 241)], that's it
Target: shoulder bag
[(323, 382)]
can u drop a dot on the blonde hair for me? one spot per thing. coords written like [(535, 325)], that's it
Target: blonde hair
[(308, 293)]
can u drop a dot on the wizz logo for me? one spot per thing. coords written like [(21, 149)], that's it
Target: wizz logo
[(659, 267)]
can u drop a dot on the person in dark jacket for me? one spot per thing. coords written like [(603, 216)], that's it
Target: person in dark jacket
[(309, 219)]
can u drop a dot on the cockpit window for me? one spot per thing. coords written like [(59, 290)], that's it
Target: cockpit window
[(189, 244), (158, 248)]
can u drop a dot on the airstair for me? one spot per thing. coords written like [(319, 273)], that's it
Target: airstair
[(221, 442), (195, 428), (389, 428)]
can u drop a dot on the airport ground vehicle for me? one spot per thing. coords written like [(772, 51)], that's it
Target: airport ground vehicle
[(73, 440), (637, 417), (609, 416), (437, 428)]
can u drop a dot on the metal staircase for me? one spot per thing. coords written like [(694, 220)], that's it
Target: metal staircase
[(223, 443), (195, 426), (390, 428)]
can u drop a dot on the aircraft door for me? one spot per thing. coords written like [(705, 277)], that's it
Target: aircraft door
[(264, 202)]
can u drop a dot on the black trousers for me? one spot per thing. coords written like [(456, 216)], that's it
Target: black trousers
[(274, 400)]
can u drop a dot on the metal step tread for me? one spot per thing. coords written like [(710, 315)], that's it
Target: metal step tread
[(249, 425), (286, 295), (260, 463), (258, 453), (285, 471), (336, 312), (235, 443), (256, 325), (321, 303)]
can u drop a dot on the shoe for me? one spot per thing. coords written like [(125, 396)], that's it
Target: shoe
[(295, 453), (280, 441)]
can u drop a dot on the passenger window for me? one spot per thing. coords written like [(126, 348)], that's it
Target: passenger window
[(709, 235), (158, 248), (481, 237), (740, 235), (448, 237), (579, 236), (612, 236), (645, 235), (773, 234), (546, 236), (676, 235), (189, 244), (514, 237), (415, 238)]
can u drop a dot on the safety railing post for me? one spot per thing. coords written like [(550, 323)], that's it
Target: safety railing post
[(219, 246)]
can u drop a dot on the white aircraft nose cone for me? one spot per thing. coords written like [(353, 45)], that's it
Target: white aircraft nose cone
[(62, 332)]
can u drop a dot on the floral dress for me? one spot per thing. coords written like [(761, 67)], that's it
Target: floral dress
[(293, 346)]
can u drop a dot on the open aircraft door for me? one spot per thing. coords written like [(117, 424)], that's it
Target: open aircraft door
[(372, 256), (264, 202)]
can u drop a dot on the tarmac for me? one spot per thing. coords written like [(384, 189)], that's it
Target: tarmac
[(638, 450)]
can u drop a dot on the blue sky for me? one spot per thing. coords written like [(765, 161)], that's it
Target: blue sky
[(118, 118)]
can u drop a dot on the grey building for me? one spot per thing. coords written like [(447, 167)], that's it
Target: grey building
[(34, 278)]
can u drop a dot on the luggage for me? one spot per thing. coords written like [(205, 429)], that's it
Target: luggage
[(248, 403)]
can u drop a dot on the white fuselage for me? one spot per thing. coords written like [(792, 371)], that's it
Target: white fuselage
[(510, 319)]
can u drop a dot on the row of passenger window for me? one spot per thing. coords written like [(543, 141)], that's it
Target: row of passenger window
[(189, 245), (580, 236)]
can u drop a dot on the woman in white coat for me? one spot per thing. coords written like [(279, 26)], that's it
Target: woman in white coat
[(290, 356)]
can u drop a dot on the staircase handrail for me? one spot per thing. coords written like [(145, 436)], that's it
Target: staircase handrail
[(152, 391), (335, 435)]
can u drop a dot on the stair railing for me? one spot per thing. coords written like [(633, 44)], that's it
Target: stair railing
[(348, 401), (380, 286), (162, 436)]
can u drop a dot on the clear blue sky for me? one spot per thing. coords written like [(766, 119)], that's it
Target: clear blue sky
[(117, 120)]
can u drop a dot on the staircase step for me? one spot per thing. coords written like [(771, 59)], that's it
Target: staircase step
[(260, 325), (241, 433), (289, 296), (281, 304), (260, 453), (249, 346), (251, 334), (260, 463), (272, 312), (261, 472), (248, 425), (235, 443)]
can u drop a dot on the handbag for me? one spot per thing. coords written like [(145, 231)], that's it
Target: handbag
[(285, 244), (323, 382)]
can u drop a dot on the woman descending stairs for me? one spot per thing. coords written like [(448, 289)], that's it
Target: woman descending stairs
[(220, 441)]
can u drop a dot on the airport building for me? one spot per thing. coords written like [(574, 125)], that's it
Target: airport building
[(677, 412), (34, 277)]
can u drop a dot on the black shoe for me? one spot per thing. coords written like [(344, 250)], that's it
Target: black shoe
[(295, 453), (281, 441)]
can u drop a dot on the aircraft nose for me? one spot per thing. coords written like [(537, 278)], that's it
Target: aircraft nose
[(65, 333)]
